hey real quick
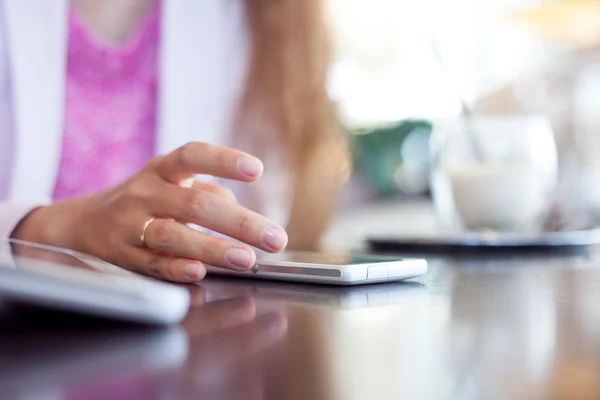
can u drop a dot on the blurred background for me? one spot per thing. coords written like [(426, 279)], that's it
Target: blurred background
[(500, 56), (405, 67)]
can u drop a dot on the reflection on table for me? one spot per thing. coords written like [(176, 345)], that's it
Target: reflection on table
[(470, 329)]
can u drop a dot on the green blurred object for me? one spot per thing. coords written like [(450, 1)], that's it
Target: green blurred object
[(377, 152)]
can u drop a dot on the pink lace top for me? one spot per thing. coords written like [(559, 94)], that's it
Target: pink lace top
[(110, 112)]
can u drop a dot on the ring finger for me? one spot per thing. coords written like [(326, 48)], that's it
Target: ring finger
[(218, 214), (173, 238), (174, 269)]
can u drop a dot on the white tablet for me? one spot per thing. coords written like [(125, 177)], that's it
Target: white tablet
[(66, 280), (330, 269)]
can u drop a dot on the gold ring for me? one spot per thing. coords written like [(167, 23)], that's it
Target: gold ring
[(143, 235)]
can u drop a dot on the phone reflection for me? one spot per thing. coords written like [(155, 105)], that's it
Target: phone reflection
[(54, 355), (269, 293), (343, 342)]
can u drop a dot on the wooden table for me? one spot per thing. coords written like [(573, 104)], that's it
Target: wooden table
[(470, 329)]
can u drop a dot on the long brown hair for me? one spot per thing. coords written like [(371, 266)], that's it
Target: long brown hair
[(290, 59)]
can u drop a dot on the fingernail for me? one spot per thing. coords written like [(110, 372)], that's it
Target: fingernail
[(273, 324), (274, 238), (250, 166), (240, 258), (192, 271)]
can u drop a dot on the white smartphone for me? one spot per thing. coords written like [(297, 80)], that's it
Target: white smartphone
[(329, 269), (70, 281)]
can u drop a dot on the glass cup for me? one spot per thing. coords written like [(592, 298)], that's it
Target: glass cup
[(493, 173)]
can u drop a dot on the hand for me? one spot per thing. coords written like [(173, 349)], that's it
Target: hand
[(109, 224)]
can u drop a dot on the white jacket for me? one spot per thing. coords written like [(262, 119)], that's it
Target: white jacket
[(204, 53)]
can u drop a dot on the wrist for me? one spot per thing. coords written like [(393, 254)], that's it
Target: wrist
[(44, 225), (31, 227)]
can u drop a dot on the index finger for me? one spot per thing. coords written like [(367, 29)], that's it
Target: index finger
[(208, 159)]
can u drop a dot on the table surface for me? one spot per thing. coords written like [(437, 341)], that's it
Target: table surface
[(470, 329), (513, 327)]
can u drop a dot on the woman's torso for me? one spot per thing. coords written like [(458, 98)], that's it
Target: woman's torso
[(201, 68), (110, 107)]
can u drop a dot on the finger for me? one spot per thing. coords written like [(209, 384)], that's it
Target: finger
[(205, 158), (219, 190), (219, 315), (170, 237), (220, 215), (174, 269)]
